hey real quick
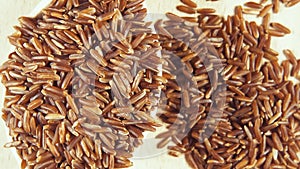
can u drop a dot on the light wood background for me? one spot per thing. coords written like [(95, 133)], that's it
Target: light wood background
[(10, 10)]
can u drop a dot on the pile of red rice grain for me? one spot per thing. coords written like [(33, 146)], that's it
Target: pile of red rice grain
[(85, 76), (258, 125), (79, 88)]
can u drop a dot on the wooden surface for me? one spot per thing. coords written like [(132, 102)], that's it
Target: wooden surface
[(10, 10)]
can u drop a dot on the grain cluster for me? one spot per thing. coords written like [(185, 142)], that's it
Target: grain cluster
[(254, 122), (80, 88), (86, 75)]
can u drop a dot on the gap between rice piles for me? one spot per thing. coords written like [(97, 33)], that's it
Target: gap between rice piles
[(79, 86), (237, 107)]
